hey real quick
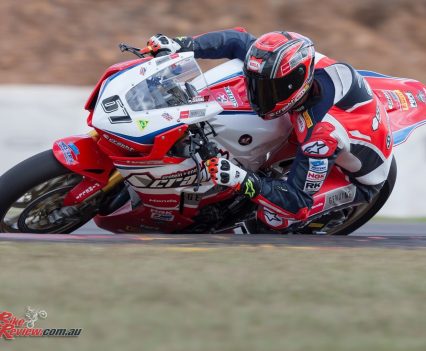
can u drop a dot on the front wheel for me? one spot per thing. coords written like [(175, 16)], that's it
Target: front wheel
[(32, 195)]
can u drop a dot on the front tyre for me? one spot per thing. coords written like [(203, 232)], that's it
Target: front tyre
[(32, 195)]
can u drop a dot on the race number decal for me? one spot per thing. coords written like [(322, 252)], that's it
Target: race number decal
[(116, 110)]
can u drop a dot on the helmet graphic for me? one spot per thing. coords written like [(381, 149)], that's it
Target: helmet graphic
[(278, 69)]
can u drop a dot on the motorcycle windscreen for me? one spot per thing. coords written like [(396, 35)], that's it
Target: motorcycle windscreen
[(169, 87)]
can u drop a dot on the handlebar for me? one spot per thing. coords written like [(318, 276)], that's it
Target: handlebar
[(141, 53)]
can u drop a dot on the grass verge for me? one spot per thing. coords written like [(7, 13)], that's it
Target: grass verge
[(132, 297)]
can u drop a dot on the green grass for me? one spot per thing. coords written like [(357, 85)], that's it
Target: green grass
[(398, 219), (133, 297)]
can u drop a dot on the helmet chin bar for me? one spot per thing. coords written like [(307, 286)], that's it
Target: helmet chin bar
[(289, 107), (272, 115), (301, 102)]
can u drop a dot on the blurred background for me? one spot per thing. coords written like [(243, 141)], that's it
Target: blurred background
[(53, 51), (72, 41)]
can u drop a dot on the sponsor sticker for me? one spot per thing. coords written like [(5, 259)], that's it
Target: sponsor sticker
[(315, 148), (315, 177), (67, 152), (255, 64), (249, 189), (164, 202), (160, 215), (231, 96), (88, 191), (75, 150), (318, 166), (173, 180), (318, 205), (197, 113), (184, 114), (402, 99), (388, 141), (393, 95), (191, 199), (376, 119), (222, 98), (142, 124), (340, 196), (198, 99), (421, 96), (308, 119), (300, 123), (389, 100), (411, 99), (245, 139), (118, 143), (167, 116), (272, 218), (312, 187)]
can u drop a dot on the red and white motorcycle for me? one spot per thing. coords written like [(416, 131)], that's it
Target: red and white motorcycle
[(141, 169)]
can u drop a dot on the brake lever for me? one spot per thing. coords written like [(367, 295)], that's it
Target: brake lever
[(138, 52)]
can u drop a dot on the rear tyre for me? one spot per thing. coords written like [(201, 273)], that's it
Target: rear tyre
[(32, 194), (364, 212)]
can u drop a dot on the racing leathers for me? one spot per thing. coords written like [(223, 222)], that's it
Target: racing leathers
[(341, 123)]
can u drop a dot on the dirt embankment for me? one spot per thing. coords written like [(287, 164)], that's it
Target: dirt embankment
[(71, 42)]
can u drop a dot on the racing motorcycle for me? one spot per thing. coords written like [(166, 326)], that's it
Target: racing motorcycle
[(155, 120)]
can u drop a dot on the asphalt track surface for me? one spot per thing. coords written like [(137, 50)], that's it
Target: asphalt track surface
[(386, 235)]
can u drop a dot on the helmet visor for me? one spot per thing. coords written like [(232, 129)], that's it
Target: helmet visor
[(264, 93)]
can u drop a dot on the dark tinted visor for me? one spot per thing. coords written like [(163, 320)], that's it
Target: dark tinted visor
[(264, 93)]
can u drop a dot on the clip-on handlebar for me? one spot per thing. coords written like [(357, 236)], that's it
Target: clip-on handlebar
[(141, 53)]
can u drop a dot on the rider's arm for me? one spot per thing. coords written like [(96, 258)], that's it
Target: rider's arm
[(230, 44), (306, 177)]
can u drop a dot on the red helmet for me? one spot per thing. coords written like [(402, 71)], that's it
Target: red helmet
[(279, 70)]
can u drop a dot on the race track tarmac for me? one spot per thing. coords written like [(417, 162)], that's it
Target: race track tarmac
[(389, 235)]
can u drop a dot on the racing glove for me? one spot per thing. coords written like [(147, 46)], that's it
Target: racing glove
[(223, 172), (161, 43)]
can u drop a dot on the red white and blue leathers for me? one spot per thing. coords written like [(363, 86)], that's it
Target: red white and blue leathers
[(342, 123)]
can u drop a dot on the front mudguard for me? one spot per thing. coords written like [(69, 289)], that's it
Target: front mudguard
[(81, 155)]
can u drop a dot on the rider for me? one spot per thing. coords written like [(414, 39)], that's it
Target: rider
[(336, 118)]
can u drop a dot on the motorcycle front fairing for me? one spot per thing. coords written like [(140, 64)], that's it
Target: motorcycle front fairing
[(149, 108)]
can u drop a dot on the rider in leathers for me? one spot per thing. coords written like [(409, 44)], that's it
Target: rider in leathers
[(335, 116)]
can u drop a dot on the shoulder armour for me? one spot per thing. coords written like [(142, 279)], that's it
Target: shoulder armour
[(351, 89)]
